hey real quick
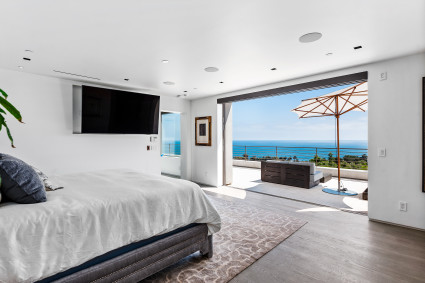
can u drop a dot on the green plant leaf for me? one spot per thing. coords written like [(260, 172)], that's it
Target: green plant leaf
[(3, 93), (11, 109), (2, 111), (8, 133)]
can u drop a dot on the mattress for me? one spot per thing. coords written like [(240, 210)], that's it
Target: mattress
[(96, 212)]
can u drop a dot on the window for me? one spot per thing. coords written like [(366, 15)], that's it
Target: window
[(170, 134)]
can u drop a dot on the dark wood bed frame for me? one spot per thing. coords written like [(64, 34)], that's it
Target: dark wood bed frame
[(142, 262)]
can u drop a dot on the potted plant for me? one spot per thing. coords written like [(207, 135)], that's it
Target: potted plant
[(7, 106)]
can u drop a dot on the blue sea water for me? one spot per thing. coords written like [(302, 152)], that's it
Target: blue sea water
[(171, 147), (301, 149), (303, 143)]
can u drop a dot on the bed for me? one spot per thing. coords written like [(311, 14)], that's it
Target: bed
[(106, 226)]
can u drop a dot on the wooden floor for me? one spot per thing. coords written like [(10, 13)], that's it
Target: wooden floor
[(335, 246)]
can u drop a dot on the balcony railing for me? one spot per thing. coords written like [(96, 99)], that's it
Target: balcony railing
[(170, 149), (351, 158)]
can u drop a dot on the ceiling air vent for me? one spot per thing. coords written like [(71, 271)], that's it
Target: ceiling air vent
[(76, 75)]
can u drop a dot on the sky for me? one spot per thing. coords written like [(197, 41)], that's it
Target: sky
[(271, 119)]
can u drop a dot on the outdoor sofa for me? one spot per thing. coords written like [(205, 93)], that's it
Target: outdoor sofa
[(298, 174)]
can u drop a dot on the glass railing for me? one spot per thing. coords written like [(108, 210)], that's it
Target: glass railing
[(172, 149), (350, 158)]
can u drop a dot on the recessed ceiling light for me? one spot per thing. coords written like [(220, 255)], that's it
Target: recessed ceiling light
[(184, 95), (310, 37), (211, 69), (273, 69), (185, 91), (169, 83), (27, 59), (221, 82), (20, 67), (165, 61), (358, 47), (329, 54), (126, 80)]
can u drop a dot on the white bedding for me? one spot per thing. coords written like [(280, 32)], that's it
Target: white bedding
[(95, 213)]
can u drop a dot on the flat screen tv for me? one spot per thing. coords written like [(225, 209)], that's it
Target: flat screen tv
[(110, 111)]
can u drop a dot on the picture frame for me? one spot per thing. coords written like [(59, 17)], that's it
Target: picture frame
[(203, 131)]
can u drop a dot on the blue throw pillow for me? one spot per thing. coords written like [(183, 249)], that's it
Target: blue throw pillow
[(19, 181)]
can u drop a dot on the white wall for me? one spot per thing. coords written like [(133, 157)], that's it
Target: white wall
[(208, 159), (395, 122), (46, 140), (171, 165)]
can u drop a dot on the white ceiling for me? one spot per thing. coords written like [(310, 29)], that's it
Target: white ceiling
[(113, 40)]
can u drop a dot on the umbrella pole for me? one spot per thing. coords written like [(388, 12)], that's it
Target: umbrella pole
[(339, 191), (337, 140)]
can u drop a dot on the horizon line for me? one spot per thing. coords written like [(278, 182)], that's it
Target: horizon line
[(290, 140)]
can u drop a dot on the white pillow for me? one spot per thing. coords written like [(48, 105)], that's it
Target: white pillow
[(48, 185)]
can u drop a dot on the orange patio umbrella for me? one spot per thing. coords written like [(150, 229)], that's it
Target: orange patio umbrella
[(353, 98)]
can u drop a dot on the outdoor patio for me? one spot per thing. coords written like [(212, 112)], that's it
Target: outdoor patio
[(250, 179)]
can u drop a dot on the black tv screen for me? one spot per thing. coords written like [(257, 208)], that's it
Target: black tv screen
[(109, 111)]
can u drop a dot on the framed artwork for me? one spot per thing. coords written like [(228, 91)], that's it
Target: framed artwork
[(203, 131)]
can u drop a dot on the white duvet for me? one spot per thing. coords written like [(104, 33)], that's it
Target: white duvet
[(95, 213)]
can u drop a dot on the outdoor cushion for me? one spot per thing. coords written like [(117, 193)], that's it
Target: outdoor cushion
[(317, 175)]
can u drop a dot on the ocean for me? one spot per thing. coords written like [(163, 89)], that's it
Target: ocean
[(303, 143), (302, 149)]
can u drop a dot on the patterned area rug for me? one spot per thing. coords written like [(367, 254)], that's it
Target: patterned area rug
[(247, 234)]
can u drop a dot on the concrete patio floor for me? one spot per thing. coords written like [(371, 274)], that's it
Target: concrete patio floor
[(250, 179)]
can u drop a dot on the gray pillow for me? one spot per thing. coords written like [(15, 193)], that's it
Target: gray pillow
[(19, 182)]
